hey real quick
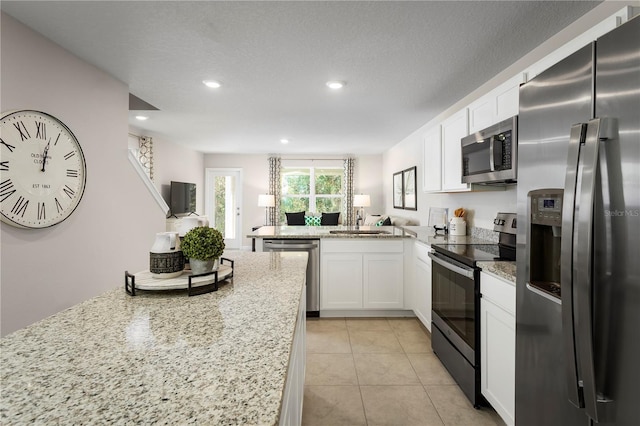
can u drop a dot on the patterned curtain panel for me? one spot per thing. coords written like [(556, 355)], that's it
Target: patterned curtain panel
[(145, 155), (347, 212), (142, 149), (275, 189)]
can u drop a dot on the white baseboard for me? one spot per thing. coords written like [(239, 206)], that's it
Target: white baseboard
[(366, 313)]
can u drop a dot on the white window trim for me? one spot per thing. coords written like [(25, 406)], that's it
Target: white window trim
[(312, 180)]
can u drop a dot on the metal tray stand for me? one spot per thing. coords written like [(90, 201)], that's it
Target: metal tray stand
[(195, 284)]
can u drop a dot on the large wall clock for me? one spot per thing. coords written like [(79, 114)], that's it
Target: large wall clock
[(42, 170)]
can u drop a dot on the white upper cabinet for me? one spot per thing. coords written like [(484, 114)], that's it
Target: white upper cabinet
[(596, 31), (482, 113), (432, 160), (508, 98), (454, 129), (497, 105), (442, 162)]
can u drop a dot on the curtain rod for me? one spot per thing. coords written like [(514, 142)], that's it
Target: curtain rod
[(316, 159)]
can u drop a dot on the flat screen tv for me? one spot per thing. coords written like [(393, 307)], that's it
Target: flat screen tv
[(183, 198)]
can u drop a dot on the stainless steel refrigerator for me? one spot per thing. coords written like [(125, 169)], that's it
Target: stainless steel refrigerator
[(578, 241)]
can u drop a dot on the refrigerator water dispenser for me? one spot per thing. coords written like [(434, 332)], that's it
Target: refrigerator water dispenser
[(545, 207)]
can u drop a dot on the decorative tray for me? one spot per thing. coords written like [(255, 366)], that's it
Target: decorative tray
[(195, 284)]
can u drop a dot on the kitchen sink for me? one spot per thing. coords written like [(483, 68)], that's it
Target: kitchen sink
[(358, 232)]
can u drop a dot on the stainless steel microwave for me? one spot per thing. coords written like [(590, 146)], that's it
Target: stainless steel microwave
[(490, 156)]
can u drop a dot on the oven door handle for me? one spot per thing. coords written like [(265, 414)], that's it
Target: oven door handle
[(452, 265)]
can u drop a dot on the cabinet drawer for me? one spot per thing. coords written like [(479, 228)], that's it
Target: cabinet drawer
[(365, 245), (498, 291), (421, 251)]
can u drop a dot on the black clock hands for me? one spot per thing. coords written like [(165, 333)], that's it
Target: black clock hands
[(44, 155)]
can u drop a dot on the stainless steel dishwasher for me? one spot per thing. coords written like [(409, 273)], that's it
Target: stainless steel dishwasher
[(313, 267)]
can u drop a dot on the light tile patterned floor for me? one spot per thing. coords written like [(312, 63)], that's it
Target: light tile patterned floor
[(381, 371)]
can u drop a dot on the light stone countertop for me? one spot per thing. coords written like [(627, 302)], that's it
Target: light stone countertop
[(424, 234), (219, 358), (427, 235), (314, 232), (502, 269)]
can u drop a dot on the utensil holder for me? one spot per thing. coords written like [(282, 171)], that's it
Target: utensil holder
[(457, 226)]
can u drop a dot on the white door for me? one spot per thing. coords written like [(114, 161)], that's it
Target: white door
[(223, 203)]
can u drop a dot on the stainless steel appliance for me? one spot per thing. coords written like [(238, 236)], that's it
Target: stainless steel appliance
[(313, 267), (578, 282), (455, 331), (490, 155)]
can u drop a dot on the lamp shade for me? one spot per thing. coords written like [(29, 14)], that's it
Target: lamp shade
[(361, 200), (266, 200)]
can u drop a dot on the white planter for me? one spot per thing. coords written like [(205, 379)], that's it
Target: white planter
[(199, 266)]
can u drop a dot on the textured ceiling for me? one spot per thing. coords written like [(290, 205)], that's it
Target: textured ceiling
[(404, 63)]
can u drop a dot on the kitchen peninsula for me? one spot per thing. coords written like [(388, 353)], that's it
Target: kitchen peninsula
[(219, 358), (310, 232)]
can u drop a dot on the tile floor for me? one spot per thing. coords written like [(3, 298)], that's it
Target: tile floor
[(381, 372)]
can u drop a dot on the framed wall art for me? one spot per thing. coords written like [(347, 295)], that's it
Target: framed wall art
[(398, 191), (404, 189), (409, 181)]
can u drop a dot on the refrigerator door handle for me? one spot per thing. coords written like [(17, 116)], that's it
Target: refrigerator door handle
[(598, 130), (576, 140)]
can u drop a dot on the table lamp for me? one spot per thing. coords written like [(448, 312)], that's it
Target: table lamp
[(266, 201), (359, 202)]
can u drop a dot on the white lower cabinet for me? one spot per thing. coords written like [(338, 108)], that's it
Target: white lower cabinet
[(293, 395), (498, 344), (383, 283), (361, 274), (341, 286), (422, 284)]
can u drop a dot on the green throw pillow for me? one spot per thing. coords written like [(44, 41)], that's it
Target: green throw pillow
[(384, 221), (312, 220)]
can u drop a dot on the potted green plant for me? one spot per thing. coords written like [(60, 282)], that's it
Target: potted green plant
[(203, 246)]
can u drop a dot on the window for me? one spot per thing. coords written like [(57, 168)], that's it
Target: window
[(311, 189)]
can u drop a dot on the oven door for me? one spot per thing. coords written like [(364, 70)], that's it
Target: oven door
[(455, 303)]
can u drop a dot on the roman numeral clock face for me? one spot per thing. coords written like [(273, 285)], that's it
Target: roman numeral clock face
[(42, 170)]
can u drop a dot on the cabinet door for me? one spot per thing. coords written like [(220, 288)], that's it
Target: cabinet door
[(341, 281), (422, 302), (482, 113), (291, 411), (453, 130), (432, 161), (507, 97), (498, 354), (383, 281)]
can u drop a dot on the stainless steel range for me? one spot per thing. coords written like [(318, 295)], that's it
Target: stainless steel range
[(456, 302)]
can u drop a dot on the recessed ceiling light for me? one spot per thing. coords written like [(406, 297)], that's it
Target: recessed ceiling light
[(284, 141), (141, 117), (211, 83), (335, 85)]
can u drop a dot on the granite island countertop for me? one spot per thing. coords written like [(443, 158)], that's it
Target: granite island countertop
[(219, 358)]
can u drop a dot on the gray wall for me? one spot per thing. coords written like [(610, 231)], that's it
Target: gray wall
[(45, 271)]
